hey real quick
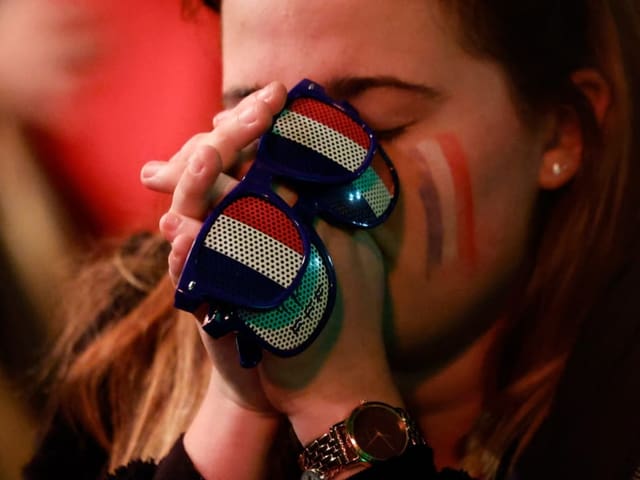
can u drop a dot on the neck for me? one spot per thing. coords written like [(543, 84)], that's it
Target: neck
[(447, 404)]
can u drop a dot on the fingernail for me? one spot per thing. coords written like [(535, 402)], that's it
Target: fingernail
[(150, 170), (248, 115), (220, 116), (266, 93), (169, 221)]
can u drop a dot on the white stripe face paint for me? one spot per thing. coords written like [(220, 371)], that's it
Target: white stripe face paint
[(444, 184)]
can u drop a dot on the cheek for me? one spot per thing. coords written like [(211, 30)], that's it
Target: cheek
[(446, 199), (460, 210), (457, 236), (436, 212)]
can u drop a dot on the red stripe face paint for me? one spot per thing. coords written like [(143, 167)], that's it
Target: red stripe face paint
[(448, 202)]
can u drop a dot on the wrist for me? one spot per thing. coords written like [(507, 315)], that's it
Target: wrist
[(373, 432), (319, 413), (319, 418), (223, 435)]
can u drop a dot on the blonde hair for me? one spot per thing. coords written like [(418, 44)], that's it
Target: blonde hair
[(132, 370), (583, 228)]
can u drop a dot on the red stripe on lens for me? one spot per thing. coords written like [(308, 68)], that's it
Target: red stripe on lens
[(268, 219), (332, 118), (383, 171)]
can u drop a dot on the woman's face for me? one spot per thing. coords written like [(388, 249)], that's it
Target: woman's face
[(467, 165)]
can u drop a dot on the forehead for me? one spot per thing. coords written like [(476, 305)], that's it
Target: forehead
[(286, 40)]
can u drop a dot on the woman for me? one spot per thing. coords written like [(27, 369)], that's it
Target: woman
[(502, 120)]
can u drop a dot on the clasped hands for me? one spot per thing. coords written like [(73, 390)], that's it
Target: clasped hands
[(347, 363)]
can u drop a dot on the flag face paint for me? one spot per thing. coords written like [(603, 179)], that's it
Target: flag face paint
[(464, 201), (432, 209), (447, 199)]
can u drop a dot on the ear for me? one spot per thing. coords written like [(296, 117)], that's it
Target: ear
[(563, 156), (596, 88)]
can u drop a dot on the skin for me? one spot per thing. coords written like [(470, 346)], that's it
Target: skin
[(463, 97), (412, 330), (47, 49)]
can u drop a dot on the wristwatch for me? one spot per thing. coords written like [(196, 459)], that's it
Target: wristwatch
[(373, 432)]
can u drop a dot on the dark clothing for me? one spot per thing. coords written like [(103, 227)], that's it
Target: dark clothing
[(65, 452), (417, 461), (592, 433), (70, 454)]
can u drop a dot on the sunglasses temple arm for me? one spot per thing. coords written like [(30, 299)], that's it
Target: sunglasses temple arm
[(250, 352), (218, 322), (306, 208)]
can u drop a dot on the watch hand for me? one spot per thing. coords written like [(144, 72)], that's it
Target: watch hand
[(384, 439), (373, 439)]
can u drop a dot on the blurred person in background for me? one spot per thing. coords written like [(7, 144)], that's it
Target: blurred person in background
[(86, 89), (47, 50), (510, 333)]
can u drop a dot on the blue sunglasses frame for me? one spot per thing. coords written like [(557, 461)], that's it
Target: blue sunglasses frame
[(257, 261)]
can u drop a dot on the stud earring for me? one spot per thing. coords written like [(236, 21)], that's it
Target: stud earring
[(557, 169)]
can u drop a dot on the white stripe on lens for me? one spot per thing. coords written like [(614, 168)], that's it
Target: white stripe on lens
[(320, 138), (252, 248)]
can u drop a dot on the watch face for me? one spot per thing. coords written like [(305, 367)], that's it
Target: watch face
[(377, 431)]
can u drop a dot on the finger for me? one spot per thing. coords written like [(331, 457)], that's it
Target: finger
[(200, 182), (172, 225), (221, 117), (246, 122), (153, 177), (163, 176), (241, 125), (270, 94), (233, 135), (179, 250)]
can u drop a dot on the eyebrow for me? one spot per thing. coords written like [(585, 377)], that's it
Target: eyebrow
[(350, 87), (347, 87)]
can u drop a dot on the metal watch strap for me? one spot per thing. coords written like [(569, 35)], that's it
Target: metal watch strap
[(329, 454), (415, 437)]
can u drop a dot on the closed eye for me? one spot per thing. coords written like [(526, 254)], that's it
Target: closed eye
[(390, 133)]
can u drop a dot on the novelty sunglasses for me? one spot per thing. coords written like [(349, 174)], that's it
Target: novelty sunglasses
[(257, 261)]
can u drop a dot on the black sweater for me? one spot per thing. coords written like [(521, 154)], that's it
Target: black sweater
[(592, 433)]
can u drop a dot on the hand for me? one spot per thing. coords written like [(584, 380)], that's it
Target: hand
[(195, 177), (235, 420), (347, 363), (45, 48)]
